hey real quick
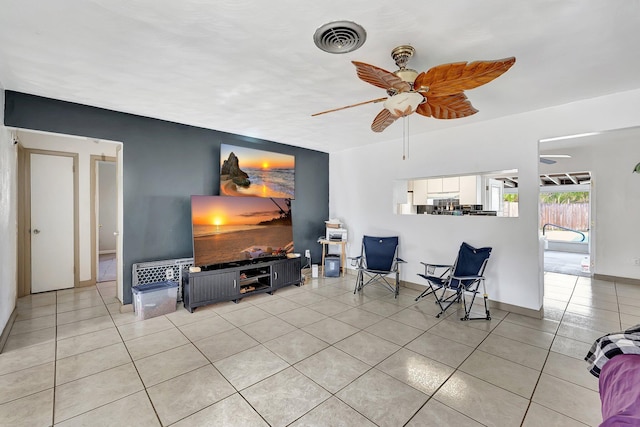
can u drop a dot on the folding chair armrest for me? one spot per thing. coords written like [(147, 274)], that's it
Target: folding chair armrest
[(436, 265), (396, 262), (430, 269), (467, 277), (355, 260)]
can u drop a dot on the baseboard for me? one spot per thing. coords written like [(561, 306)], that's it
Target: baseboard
[(537, 314), (85, 283), (625, 280), (412, 285), (106, 252), (7, 328), (492, 304)]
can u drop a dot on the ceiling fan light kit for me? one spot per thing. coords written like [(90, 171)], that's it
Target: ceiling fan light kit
[(403, 104), (437, 93)]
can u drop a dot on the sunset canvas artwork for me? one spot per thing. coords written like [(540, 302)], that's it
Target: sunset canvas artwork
[(227, 229), (251, 172)]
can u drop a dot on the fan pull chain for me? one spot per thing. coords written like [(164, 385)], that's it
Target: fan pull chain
[(405, 137)]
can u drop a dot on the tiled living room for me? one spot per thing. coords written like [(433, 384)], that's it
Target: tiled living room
[(306, 356)]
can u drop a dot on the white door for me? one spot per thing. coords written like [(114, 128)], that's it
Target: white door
[(495, 196), (52, 223)]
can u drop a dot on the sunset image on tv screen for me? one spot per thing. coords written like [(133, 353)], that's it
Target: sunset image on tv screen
[(227, 229)]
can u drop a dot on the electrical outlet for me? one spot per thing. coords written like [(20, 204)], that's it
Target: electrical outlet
[(169, 273), (636, 261), (307, 253)]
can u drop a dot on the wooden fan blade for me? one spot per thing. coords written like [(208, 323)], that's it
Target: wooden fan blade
[(447, 107), (382, 120), (450, 79), (380, 78), (373, 101)]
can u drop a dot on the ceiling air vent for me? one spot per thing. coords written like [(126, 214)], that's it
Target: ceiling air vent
[(340, 37)]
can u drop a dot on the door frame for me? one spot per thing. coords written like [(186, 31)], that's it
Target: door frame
[(94, 159), (591, 243), (24, 273), (24, 218)]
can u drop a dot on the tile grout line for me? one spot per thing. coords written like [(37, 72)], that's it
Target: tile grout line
[(547, 358), (122, 341), (132, 362), (456, 369), (55, 361)]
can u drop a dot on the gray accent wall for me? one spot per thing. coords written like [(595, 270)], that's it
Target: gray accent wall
[(164, 164)]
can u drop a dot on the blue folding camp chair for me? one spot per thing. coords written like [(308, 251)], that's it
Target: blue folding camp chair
[(465, 275), (377, 261)]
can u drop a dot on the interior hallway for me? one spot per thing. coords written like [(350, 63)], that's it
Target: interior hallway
[(310, 355)]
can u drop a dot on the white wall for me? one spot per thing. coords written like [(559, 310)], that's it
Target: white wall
[(85, 148), (361, 189), (8, 221), (615, 195)]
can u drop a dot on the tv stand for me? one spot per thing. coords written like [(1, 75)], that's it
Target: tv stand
[(235, 282)]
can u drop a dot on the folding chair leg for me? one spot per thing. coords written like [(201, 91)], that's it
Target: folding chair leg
[(440, 300), (359, 280), (378, 278), (464, 305), (427, 292), (397, 292), (449, 300), (486, 309), (473, 298)]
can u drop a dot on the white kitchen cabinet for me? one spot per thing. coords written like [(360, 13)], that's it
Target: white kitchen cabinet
[(451, 184), (420, 192), (470, 190), (434, 185)]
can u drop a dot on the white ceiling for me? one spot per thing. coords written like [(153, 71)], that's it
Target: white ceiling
[(251, 67)]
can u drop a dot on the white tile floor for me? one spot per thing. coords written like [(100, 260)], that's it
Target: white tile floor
[(107, 267), (308, 356)]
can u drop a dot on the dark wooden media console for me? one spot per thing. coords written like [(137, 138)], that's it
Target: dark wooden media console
[(237, 280)]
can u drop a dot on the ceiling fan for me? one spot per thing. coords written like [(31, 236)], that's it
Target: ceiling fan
[(437, 93)]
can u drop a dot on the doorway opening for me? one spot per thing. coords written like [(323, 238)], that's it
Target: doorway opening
[(565, 206), (105, 197), (87, 152)]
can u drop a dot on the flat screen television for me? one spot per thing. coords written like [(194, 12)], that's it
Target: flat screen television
[(232, 229)]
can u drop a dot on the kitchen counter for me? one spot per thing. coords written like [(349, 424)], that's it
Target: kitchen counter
[(461, 213)]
